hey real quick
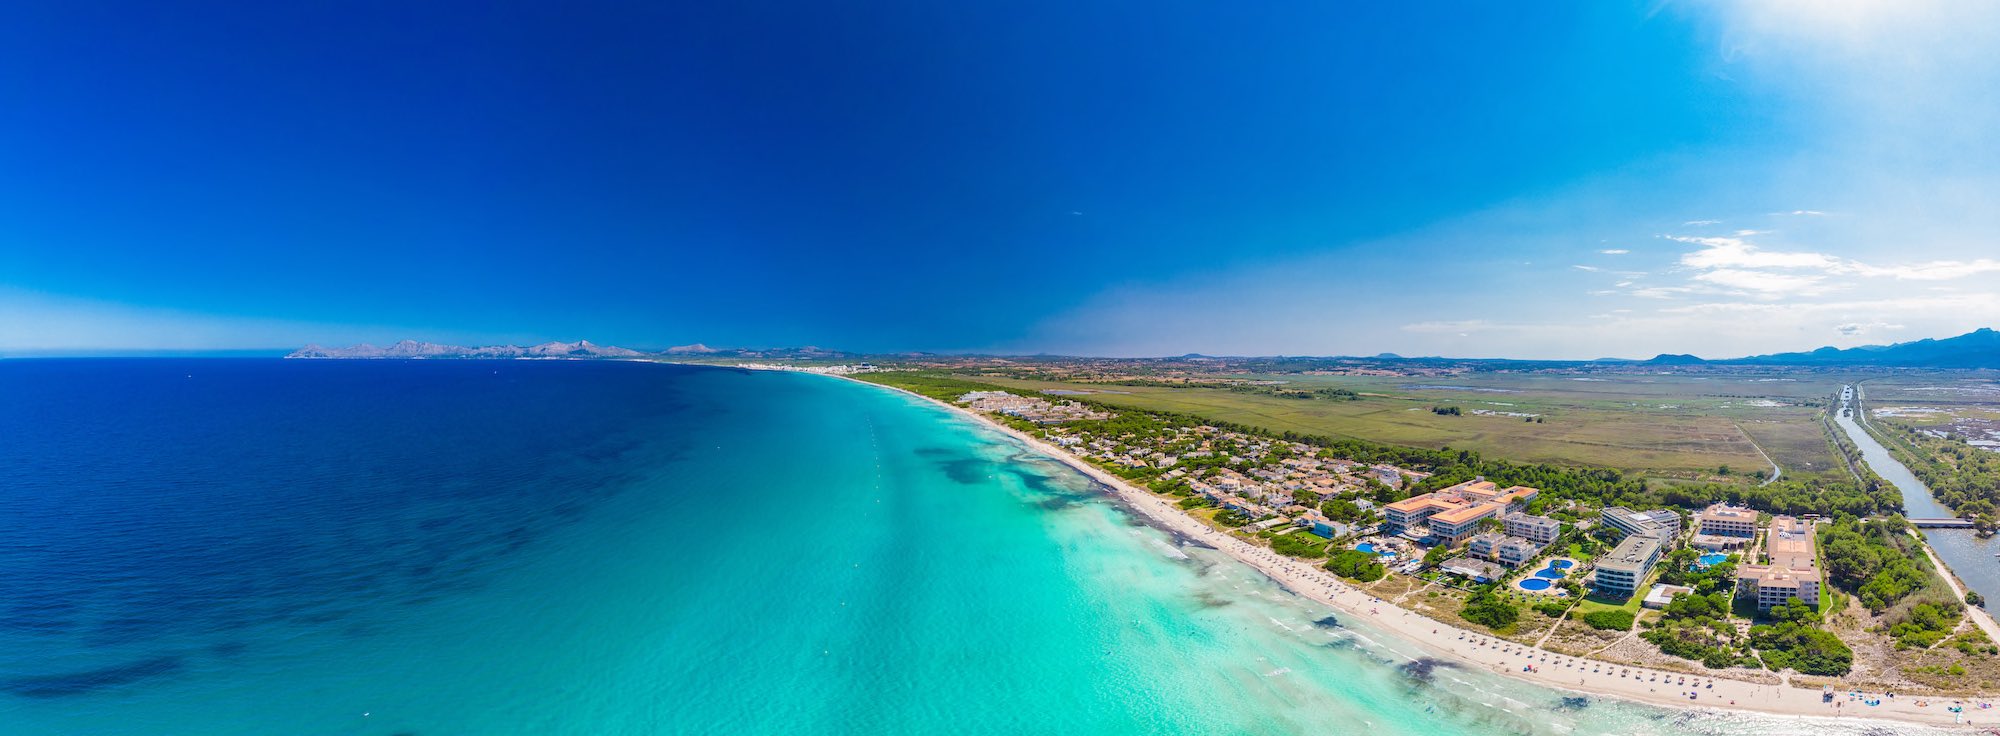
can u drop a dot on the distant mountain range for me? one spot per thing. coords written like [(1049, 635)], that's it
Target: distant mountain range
[(1977, 349), (414, 349), (582, 349)]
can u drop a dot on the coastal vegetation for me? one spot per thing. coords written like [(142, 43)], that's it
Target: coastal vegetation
[(1299, 544), (1801, 647), (1610, 619), (1355, 564), (1696, 626), (1878, 562), (1491, 610)]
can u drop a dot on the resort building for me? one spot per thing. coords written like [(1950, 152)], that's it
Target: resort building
[(1455, 525), (1039, 411), (1791, 569), (1476, 570), (1506, 550), (1486, 545), (1516, 551), (1724, 527), (1662, 594), (1538, 528), (1317, 522), (1660, 524), (1620, 572), (1453, 514)]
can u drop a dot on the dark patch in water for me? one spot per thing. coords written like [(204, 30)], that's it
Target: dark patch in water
[(1421, 669), (228, 649), (966, 471), (80, 683), (1328, 621), (1573, 702), (125, 629), (1055, 503), (39, 613), (1211, 600)]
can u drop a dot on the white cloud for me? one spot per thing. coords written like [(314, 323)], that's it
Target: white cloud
[(1800, 213), (1592, 269), (1699, 223), (1614, 251), (1764, 283), (1735, 252)]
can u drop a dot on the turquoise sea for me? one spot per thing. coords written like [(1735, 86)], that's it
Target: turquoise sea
[(295, 547)]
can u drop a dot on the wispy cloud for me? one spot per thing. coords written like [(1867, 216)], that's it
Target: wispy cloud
[(1857, 329), (1699, 223), (1800, 213), (1592, 269), (1929, 271), (1614, 251), (1462, 326)]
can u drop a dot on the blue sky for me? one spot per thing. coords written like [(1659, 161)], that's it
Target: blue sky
[(1126, 179)]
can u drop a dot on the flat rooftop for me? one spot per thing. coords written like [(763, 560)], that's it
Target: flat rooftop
[(1631, 554)]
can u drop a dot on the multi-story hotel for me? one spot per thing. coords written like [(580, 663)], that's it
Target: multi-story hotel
[(1453, 514), (1540, 529), (1792, 570), (1620, 572), (1660, 524), (1721, 527)]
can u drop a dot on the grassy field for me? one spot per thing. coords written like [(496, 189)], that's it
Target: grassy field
[(1668, 426)]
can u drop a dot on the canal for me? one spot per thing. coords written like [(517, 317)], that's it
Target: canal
[(1962, 550)]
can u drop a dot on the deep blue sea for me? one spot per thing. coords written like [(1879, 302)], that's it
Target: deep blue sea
[(520, 547)]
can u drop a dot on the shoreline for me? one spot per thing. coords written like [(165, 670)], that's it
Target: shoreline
[(1475, 649)]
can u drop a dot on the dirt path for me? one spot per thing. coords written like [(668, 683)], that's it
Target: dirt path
[(1776, 472), (1559, 625)]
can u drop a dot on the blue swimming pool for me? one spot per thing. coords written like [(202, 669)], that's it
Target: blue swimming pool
[(1536, 584), (1369, 547), (1713, 558), (1550, 573), (1561, 564)]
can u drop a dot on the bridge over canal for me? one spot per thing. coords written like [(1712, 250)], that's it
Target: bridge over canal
[(1941, 523)]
